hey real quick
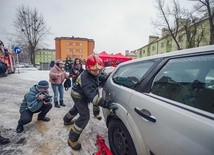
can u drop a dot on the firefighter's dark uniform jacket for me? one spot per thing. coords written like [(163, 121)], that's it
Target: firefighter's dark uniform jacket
[(86, 87), (84, 91)]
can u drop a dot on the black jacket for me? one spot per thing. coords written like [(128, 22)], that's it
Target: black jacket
[(76, 71), (87, 85)]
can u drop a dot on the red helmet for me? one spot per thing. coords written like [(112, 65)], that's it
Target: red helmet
[(94, 63)]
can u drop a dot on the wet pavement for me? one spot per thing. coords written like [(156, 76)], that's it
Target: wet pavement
[(40, 138), (15, 145)]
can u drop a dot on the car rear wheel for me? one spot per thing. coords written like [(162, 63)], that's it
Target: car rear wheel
[(120, 140)]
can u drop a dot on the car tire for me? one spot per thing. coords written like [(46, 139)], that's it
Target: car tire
[(119, 138)]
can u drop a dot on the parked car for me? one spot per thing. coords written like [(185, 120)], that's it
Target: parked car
[(108, 70), (165, 104), (23, 65)]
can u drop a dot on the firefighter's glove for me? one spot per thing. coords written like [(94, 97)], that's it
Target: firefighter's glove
[(108, 105), (103, 103), (113, 107), (96, 112)]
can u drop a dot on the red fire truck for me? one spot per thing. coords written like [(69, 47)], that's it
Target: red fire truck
[(7, 59)]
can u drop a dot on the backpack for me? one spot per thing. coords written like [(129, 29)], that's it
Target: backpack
[(67, 84)]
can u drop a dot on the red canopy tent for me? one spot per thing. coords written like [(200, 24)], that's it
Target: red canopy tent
[(121, 58), (113, 60), (106, 57)]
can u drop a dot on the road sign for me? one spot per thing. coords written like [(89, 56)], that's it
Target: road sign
[(17, 50)]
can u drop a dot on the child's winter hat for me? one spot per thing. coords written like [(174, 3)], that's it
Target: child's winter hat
[(43, 84)]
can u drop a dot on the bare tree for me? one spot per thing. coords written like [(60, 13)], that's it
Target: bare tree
[(169, 18), (207, 7), (180, 23), (194, 30), (31, 30)]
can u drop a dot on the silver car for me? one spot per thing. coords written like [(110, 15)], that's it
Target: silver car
[(165, 104)]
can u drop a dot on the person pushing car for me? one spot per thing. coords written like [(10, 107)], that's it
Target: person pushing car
[(84, 91)]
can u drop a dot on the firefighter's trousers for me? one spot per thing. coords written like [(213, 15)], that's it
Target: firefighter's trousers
[(81, 107)]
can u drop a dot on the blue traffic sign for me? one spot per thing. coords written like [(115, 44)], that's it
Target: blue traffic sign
[(17, 50)]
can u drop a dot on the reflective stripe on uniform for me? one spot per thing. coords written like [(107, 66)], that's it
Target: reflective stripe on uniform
[(75, 94), (78, 80), (71, 143), (76, 129), (69, 116), (96, 100)]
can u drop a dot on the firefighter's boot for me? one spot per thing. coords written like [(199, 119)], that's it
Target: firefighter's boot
[(74, 145), (56, 104), (68, 119), (73, 138), (96, 112)]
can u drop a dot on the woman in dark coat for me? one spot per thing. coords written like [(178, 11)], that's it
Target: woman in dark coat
[(76, 69)]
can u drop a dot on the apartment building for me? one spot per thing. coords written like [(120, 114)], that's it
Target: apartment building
[(165, 42), (131, 54), (73, 47), (44, 56)]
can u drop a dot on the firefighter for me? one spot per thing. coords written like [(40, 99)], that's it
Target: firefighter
[(84, 91)]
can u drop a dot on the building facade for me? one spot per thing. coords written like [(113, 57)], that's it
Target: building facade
[(165, 43), (44, 56), (131, 54), (73, 47)]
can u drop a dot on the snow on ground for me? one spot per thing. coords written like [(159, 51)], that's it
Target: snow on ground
[(40, 138)]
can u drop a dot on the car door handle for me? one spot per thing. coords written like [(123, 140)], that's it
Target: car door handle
[(145, 114)]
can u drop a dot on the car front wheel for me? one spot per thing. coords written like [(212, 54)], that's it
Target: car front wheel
[(119, 138)]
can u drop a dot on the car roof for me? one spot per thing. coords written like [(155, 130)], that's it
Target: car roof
[(175, 53)]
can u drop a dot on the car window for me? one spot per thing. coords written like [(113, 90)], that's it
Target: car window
[(131, 74), (187, 80)]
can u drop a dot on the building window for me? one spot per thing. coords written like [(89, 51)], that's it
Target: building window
[(74, 43), (67, 43), (144, 51), (81, 50), (180, 38), (74, 50), (169, 42), (202, 36), (67, 50), (162, 45), (81, 44), (153, 48), (191, 34)]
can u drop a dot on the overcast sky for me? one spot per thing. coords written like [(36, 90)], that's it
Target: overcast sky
[(114, 25)]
